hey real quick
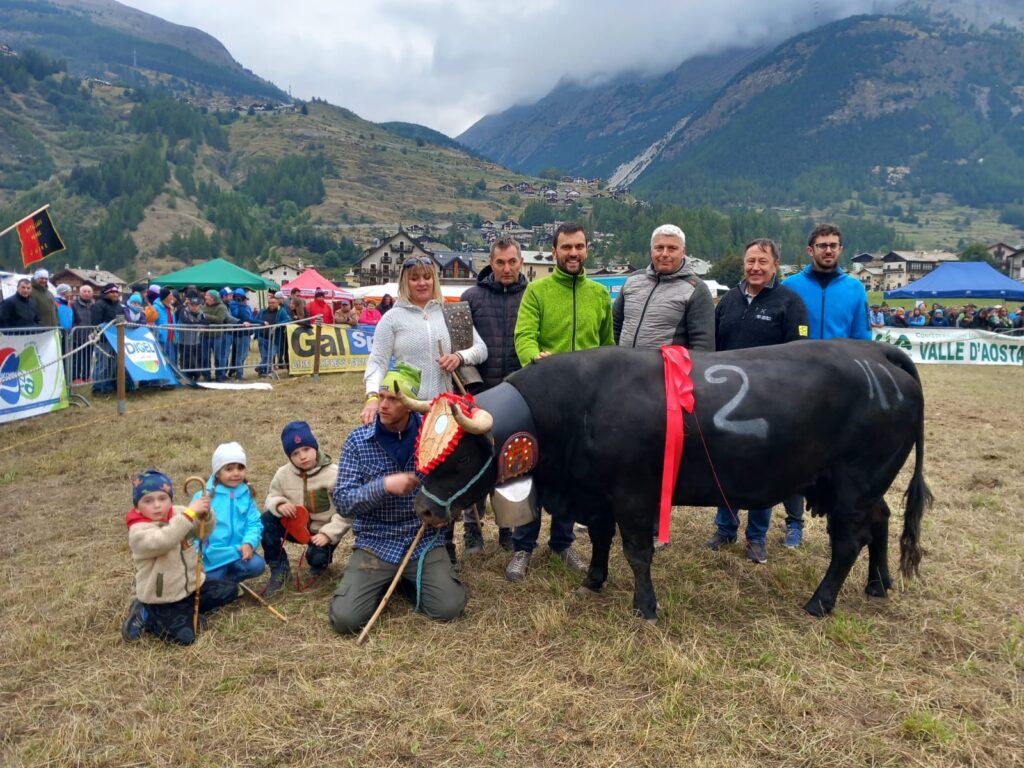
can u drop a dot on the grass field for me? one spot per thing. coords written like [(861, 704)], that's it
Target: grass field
[(735, 674)]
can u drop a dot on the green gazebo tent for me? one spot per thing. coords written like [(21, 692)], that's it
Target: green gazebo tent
[(216, 273)]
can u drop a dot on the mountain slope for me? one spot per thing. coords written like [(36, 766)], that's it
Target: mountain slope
[(826, 113), (108, 40), (590, 131)]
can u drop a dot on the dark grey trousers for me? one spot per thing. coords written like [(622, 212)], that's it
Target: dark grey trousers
[(367, 578)]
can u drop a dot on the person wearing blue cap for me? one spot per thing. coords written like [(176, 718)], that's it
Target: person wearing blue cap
[(241, 338), (307, 481), (161, 537)]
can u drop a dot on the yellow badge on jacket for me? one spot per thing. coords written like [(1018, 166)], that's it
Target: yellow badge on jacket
[(802, 330)]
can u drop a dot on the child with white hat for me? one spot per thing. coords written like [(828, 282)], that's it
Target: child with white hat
[(231, 550)]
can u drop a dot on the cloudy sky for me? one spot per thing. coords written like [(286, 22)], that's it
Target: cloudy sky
[(446, 63)]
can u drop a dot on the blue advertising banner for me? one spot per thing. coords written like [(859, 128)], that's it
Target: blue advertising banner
[(144, 360)]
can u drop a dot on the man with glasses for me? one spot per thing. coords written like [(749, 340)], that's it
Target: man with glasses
[(837, 308)]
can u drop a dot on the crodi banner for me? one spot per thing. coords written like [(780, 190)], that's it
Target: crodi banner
[(341, 349), (954, 345), (143, 358), (31, 375)]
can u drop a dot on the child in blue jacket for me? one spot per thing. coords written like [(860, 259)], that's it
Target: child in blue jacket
[(230, 551)]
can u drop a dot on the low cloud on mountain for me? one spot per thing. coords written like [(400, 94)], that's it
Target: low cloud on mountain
[(445, 63)]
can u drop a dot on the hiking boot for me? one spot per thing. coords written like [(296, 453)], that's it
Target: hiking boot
[(718, 541), (135, 624), (756, 552), (472, 539), (505, 539), (572, 560), (518, 566), (279, 573), (794, 536)]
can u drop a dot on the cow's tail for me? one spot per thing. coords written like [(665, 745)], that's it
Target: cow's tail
[(918, 496)]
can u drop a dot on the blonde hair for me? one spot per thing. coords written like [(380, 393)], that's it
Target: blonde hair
[(406, 274)]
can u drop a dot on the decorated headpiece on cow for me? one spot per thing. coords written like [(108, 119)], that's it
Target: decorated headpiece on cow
[(447, 418)]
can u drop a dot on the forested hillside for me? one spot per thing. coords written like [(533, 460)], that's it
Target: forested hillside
[(138, 177)]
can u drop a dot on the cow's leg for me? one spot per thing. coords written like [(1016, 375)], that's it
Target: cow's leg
[(848, 531), (601, 528), (638, 545), (879, 579)]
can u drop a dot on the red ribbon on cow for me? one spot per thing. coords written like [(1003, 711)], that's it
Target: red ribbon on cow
[(678, 398)]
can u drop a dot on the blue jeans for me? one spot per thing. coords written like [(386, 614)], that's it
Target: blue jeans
[(239, 570), (267, 349), (757, 524), (241, 343), (524, 537), (794, 511), (221, 355)]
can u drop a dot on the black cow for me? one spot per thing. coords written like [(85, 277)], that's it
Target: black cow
[(833, 420)]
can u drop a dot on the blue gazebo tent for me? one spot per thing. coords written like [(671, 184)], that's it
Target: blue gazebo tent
[(955, 279)]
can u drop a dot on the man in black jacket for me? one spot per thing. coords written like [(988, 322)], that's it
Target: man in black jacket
[(19, 310), (103, 311), (759, 312), (494, 303)]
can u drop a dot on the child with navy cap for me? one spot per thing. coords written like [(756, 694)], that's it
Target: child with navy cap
[(307, 480), (161, 537)]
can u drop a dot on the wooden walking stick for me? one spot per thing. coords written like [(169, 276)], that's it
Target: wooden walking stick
[(259, 599), (199, 552), (394, 583)]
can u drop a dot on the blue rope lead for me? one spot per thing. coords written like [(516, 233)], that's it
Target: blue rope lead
[(419, 570)]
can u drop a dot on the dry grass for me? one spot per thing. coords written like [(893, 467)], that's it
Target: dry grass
[(735, 674)]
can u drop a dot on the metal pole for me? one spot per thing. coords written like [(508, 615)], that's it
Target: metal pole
[(122, 406), (316, 351)]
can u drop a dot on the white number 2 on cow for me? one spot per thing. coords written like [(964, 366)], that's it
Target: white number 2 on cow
[(749, 427)]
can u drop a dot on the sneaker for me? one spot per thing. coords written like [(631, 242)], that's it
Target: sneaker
[(505, 539), (794, 536), (134, 625), (756, 552), (518, 566), (580, 528), (572, 560), (718, 541), (472, 539), (279, 573), (658, 544)]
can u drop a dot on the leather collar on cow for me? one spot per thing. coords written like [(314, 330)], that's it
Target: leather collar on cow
[(513, 431)]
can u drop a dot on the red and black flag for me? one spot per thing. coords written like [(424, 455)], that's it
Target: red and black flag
[(38, 237)]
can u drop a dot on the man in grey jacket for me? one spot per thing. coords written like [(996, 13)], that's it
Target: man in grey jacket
[(666, 303)]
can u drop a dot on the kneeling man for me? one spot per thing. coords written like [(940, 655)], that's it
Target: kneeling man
[(376, 486)]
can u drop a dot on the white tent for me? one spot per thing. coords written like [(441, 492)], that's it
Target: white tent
[(375, 292), (716, 288)]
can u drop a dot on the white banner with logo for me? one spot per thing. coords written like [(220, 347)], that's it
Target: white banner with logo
[(31, 375), (961, 346)]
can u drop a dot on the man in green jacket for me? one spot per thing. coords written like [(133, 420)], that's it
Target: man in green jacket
[(561, 313), (45, 303)]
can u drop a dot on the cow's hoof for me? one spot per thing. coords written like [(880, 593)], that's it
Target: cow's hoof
[(816, 608), (876, 589), (587, 592)]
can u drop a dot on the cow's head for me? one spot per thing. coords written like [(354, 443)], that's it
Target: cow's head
[(460, 468)]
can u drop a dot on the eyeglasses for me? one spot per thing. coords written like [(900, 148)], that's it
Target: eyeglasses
[(423, 261), (828, 246)]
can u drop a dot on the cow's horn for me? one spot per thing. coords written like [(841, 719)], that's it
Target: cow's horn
[(419, 406), (479, 423)]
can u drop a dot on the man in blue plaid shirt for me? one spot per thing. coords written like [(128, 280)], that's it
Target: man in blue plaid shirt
[(376, 486)]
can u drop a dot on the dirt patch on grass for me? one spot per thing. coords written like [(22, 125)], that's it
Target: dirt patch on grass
[(735, 674)]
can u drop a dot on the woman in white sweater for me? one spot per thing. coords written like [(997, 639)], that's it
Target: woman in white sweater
[(411, 332)]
